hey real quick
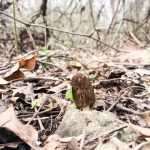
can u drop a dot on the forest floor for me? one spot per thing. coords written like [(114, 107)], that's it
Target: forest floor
[(36, 110)]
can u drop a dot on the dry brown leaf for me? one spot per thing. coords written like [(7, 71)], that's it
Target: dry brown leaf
[(22, 63), (131, 47), (142, 72), (52, 142), (25, 90), (113, 144), (15, 75), (12, 70), (59, 87), (28, 64), (143, 146), (15, 72), (144, 131), (134, 57), (74, 64), (73, 145), (146, 117), (27, 133), (106, 146), (68, 139), (120, 144), (3, 81), (56, 101), (12, 145), (146, 146)]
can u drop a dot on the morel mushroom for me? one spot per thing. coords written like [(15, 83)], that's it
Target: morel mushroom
[(82, 90)]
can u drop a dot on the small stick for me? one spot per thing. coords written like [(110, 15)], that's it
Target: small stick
[(48, 63), (116, 102), (38, 110), (83, 137), (108, 132), (39, 121)]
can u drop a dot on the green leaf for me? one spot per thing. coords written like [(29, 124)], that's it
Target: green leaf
[(44, 52), (34, 104), (73, 106), (92, 77), (69, 94)]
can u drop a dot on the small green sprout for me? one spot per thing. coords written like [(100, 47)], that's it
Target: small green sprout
[(69, 94), (44, 52), (34, 104), (92, 77)]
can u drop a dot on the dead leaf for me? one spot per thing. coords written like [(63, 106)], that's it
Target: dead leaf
[(27, 91), (142, 72), (15, 72), (22, 63), (12, 70), (52, 142), (106, 146), (143, 131), (15, 75), (3, 81), (73, 145), (143, 146), (119, 144), (74, 64), (146, 146), (9, 145), (62, 103), (55, 142), (146, 117), (113, 144), (27, 133), (59, 87), (28, 64), (130, 46), (134, 57), (68, 139)]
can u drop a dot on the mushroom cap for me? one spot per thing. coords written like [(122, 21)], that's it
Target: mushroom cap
[(82, 90)]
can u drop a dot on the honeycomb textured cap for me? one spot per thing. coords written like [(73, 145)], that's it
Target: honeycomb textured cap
[(83, 92)]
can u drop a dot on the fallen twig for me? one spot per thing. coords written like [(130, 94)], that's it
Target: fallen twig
[(38, 110)]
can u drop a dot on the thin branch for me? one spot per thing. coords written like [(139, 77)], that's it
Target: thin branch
[(28, 31), (114, 18), (93, 20), (38, 110), (15, 27), (62, 31)]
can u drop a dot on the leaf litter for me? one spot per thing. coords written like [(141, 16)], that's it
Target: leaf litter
[(36, 102)]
